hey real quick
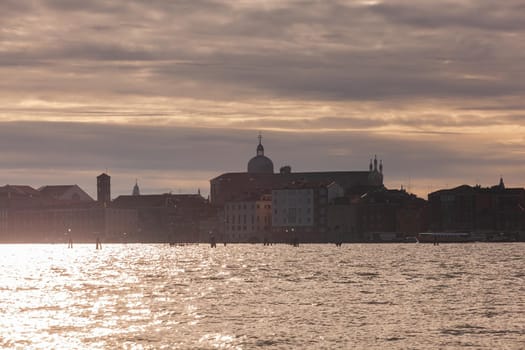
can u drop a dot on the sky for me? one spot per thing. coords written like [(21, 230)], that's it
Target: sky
[(174, 93)]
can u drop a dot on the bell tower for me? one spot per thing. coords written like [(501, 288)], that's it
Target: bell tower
[(104, 190)]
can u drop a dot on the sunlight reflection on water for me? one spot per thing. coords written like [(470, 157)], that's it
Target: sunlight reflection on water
[(247, 296)]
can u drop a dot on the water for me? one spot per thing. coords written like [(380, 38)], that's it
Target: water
[(410, 296)]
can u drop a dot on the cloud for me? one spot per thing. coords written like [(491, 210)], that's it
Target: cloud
[(484, 15), (298, 50), (139, 85), (167, 158)]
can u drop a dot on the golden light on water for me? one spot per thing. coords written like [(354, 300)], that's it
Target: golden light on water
[(245, 296)]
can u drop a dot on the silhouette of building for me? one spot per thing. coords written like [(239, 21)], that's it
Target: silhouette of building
[(55, 213), (169, 217), (54, 225), (104, 189), (486, 210), (260, 179), (378, 215)]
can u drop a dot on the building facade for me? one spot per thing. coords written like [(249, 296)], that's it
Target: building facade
[(248, 220), (80, 224), (485, 210), (170, 217), (299, 212), (3, 223), (380, 215)]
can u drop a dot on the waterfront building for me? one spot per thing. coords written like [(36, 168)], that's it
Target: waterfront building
[(52, 213), (170, 217), (299, 212), (248, 220), (3, 223), (55, 225), (343, 222), (260, 178), (390, 215), (379, 215), (484, 210)]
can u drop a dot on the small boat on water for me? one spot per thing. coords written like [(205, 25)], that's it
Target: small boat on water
[(445, 237)]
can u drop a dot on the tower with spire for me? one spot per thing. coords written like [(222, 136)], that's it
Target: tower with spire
[(136, 189), (260, 148), (375, 175)]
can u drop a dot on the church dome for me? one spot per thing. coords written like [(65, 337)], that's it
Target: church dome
[(260, 164)]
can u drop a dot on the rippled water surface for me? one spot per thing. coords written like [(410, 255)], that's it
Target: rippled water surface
[(410, 296)]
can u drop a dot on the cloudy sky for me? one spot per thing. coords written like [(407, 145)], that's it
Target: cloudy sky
[(173, 93)]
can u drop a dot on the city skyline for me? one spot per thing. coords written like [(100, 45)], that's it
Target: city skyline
[(173, 94)]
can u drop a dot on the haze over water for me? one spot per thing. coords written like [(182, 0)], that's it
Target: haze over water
[(410, 296)]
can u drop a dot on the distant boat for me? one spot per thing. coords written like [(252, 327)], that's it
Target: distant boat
[(445, 237)]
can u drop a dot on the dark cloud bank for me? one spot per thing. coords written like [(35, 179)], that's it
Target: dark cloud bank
[(173, 153), (298, 49)]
